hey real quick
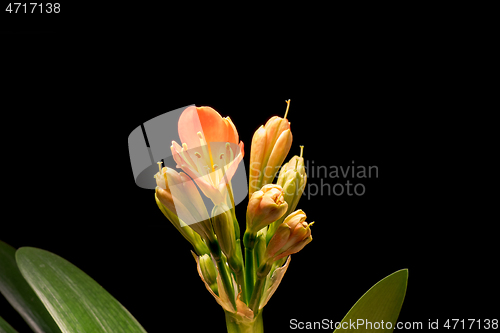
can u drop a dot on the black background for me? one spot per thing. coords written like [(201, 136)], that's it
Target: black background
[(409, 102)]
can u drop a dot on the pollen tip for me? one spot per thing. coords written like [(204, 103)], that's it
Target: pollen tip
[(200, 135), (197, 154), (301, 150), (221, 156)]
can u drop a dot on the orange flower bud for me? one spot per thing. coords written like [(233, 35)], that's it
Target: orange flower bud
[(270, 145), (290, 237), (264, 207)]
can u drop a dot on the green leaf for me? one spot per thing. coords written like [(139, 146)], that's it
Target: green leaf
[(5, 327), (20, 295), (75, 300), (381, 303)]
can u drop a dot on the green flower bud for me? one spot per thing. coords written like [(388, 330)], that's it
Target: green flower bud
[(223, 225), (209, 272), (260, 246), (292, 178)]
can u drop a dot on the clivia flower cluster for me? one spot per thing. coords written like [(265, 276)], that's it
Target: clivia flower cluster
[(241, 279)]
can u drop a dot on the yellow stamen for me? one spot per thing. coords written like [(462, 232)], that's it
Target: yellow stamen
[(230, 151), (204, 147), (301, 150), (197, 154), (183, 156), (309, 225), (217, 172), (159, 166), (229, 156), (199, 166), (287, 106)]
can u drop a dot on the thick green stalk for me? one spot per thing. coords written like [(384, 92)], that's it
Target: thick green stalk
[(259, 286), (238, 324), (249, 243), (226, 280), (249, 275), (235, 263)]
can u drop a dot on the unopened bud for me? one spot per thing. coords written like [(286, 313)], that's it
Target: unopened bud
[(278, 154), (178, 193), (270, 145), (292, 179), (223, 225), (209, 271), (290, 237), (264, 207)]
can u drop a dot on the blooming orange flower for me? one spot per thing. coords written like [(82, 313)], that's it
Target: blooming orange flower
[(209, 146)]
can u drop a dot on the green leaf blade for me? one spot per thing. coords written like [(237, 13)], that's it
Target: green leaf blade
[(382, 302), (5, 327), (75, 300), (20, 295)]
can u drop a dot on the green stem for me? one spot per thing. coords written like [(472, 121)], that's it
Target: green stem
[(259, 286), (249, 243), (226, 280), (240, 279), (239, 324), (235, 263), (249, 276)]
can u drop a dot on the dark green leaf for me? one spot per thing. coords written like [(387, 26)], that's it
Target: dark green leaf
[(20, 295), (379, 306), (75, 300), (5, 327)]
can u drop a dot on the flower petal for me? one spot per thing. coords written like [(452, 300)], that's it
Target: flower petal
[(208, 121), (273, 283), (189, 124)]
